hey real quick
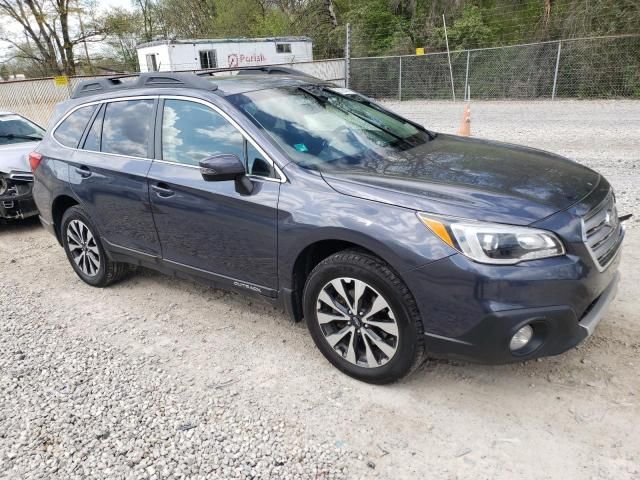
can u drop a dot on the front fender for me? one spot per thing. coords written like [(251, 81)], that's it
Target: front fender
[(310, 211)]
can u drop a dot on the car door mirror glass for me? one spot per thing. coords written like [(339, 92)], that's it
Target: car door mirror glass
[(219, 168)]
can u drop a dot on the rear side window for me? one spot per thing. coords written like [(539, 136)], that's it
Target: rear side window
[(71, 129), (126, 127)]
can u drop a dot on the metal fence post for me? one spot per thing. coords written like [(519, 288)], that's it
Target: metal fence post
[(555, 75), (347, 56), (400, 80), (466, 76), (446, 39)]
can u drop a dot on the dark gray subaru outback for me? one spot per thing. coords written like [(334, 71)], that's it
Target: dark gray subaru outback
[(392, 241)]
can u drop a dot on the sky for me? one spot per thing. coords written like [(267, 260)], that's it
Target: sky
[(106, 4)]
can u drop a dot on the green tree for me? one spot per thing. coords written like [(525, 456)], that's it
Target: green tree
[(467, 31)]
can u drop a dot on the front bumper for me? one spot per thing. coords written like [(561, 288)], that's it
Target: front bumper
[(470, 311), (556, 330)]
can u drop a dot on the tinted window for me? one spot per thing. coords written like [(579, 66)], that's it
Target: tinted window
[(256, 164), (92, 142), (126, 127), (70, 131), (192, 132)]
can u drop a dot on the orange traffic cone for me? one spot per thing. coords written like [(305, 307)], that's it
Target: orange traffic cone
[(465, 126)]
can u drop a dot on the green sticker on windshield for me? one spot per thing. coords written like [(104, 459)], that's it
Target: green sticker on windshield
[(301, 147)]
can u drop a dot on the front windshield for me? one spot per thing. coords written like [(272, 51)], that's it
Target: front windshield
[(17, 129), (326, 128)]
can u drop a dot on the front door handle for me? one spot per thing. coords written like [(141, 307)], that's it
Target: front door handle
[(163, 190), (83, 171)]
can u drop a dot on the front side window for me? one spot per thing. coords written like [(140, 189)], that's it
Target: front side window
[(71, 129), (208, 59), (256, 163), (126, 127), (283, 48), (192, 132)]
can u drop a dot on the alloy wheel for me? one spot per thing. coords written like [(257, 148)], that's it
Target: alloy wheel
[(357, 322), (83, 248)]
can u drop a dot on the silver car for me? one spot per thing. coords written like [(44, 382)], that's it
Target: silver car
[(18, 138)]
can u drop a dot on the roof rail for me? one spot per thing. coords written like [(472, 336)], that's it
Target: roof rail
[(150, 79), (268, 69)]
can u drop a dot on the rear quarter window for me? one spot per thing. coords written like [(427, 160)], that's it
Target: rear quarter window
[(71, 129)]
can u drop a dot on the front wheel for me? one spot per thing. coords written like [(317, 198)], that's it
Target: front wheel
[(85, 251), (363, 318)]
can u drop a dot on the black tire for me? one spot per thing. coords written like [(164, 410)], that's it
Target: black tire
[(410, 345), (108, 272)]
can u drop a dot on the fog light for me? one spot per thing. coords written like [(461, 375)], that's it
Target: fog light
[(521, 338)]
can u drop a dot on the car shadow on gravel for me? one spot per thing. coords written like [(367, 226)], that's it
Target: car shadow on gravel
[(18, 226)]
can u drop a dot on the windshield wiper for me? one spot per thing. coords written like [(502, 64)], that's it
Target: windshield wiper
[(11, 136), (375, 106), (320, 98), (324, 101)]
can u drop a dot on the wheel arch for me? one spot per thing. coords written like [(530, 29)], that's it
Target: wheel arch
[(61, 204), (307, 259)]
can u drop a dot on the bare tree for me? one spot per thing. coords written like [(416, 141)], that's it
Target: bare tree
[(147, 9), (46, 27)]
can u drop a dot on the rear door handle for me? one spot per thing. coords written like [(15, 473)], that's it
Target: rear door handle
[(163, 190), (83, 171)]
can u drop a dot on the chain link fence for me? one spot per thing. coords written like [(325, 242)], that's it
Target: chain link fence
[(581, 68)]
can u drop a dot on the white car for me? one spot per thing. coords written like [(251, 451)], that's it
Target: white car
[(18, 138)]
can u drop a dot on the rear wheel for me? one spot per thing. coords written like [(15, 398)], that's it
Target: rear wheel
[(363, 318), (85, 251)]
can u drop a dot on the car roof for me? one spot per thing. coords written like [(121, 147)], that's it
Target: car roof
[(222, 82)]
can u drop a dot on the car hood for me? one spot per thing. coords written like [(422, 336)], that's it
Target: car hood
[(469, 178), (15, 157)]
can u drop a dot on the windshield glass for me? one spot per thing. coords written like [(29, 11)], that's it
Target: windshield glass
[(326, 128), (17, 129)]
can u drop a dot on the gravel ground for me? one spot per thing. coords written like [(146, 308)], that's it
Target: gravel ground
[(160, 378)]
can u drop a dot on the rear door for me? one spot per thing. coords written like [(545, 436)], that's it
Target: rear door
[(210, 226), (109, 173)]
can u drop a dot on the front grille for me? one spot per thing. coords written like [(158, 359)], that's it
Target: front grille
[(602, 232)]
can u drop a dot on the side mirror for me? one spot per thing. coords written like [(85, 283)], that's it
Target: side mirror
[(223, 167), (226, 166)]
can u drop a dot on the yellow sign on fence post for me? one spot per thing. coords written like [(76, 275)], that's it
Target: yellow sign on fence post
[(420, 51), (61, 81)]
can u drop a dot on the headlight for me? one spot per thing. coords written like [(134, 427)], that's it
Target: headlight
[(493, 242)]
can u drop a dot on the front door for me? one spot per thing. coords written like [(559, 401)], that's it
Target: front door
[(210, 227)]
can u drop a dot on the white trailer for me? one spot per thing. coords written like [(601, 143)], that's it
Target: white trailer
[(175, 55)]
